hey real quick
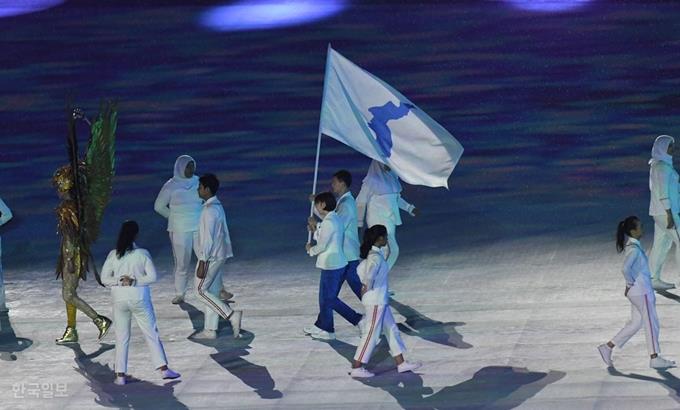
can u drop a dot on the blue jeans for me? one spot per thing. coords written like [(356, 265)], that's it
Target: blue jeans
[(352, 278), (329, 288)]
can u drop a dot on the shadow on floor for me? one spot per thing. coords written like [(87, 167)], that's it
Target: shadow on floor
[(136, 395), (667, 380), (229, 355), (9, 342), (497, 387), (417, 324)]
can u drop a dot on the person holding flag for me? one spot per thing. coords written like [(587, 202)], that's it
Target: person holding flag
[(664, 205)]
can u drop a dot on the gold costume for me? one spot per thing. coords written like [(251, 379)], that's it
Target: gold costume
[(85, 188)]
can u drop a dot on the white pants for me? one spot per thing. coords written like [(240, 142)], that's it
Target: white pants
[(663, 240), (2, 281), (182, 245), (208, 290), (642, 314), (142, 310), (380, 322)]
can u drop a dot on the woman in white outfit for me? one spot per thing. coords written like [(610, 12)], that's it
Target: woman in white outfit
[(640, 293), (178, 201), (5, 216), (129, 270), (379, 202), (664, 206), (378, 320)]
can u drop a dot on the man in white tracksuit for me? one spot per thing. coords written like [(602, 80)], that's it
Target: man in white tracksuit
[(664, 206), (379, 202), (178, 201), (214, 248), (128, 271), (5, 216)]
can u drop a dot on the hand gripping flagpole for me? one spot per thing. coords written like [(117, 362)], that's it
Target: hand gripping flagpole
[(318, 141)]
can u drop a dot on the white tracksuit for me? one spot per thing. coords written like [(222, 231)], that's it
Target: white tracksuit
[(214, 247), (178, 201), (664, 194), (379, 202), (642, 298), (373, 273), (135, 300), (6, 216)]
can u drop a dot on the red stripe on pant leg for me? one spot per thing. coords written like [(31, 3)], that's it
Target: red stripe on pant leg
[(200, 292), (370, 334), (651, 329)]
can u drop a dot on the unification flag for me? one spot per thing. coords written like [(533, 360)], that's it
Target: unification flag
[(364, 112)]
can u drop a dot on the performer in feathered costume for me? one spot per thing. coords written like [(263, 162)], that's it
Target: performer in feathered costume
[(84, 186)]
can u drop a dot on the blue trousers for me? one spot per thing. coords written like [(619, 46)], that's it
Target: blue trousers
[(352, 278), (329, 288)]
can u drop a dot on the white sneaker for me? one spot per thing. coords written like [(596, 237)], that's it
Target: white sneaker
[(606, 353), (225, 295), (177, 300), (408, 367), (205, 335), (308, 330), (120, 380), (661, 363), (235, 321), (169, 374), (360, 373), (322, 335), (658, 284)]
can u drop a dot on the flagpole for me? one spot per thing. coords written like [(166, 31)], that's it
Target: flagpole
[(318, 141)]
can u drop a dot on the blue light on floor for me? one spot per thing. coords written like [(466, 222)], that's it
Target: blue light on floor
[(549, 5), (268, 14), (10, 8)]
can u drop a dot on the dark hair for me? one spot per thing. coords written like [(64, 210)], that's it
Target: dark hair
[(624, 229), (210, 181), (344, 176), (370, 236), (126, 237), (327, 198)]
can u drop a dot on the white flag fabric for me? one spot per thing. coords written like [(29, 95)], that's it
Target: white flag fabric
[(364, 112)]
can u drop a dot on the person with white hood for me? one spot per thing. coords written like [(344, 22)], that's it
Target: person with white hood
[(178, 201), (664, 205), (5, 216), (379, 202), (128, 271)]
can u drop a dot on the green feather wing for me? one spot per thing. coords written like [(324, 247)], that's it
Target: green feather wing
[(100, 167)]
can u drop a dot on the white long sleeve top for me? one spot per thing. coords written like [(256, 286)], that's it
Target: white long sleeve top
[(329, 243), (373, 273), (636, 269), (136, 264), (380, 209), (6, 213), (214, 241), (664, 189), (180, 204), (346, 209)]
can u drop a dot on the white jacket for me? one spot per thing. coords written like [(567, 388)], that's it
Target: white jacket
[(664, 189), (329, 243), (214, 241), (636, 269), (347, 211), (373, 273), (380, 209), (181, 204), (136, 264)]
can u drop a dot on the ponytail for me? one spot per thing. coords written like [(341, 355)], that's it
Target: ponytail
[(623, 230), (370, 236), (126, 237)]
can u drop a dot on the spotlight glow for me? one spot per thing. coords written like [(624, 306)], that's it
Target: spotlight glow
[(10, 8), (549, 5), (268, 14)]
